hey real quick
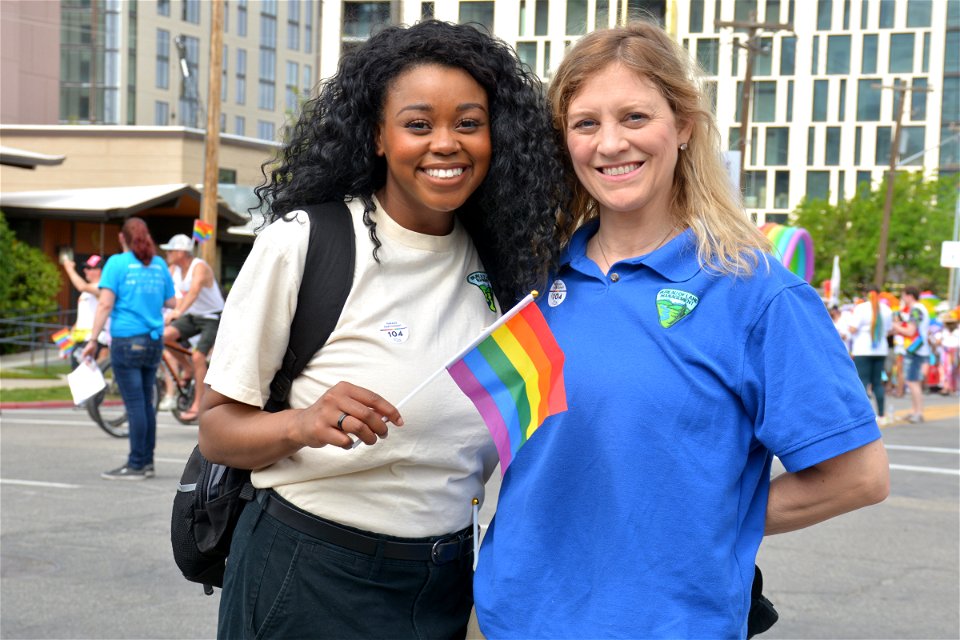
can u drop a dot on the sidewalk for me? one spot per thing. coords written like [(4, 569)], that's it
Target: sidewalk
[(31, 359)]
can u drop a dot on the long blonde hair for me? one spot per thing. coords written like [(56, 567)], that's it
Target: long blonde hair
[(702, 197)]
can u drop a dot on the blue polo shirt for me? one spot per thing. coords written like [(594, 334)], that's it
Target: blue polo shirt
[(638, 512), (141, 291)]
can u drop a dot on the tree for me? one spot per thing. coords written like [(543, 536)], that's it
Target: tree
[(29, 280), (921, 219)]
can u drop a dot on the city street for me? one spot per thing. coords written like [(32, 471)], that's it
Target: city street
[(86, 558)]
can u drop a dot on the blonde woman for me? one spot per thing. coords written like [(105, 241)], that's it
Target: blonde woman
[(691, 360)]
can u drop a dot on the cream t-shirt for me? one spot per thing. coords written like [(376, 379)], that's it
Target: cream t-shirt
[(404, 317)]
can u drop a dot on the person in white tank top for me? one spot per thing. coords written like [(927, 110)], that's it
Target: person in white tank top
[(198, 309)]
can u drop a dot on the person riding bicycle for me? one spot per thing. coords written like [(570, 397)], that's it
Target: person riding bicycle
[(197, 311)]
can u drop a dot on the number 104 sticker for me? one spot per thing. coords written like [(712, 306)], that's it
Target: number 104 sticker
[(395, 331)]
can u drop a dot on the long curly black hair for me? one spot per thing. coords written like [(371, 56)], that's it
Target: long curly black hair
[(331, 152)]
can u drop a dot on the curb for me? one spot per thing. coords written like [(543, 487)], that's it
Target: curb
[(40, 404)]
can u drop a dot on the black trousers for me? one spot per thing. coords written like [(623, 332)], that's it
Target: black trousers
[(281, 583)]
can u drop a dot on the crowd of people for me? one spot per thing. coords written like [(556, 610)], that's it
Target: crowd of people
[(692, 358), (901, 346)]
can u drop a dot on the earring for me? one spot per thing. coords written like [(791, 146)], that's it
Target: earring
[(683, 146)]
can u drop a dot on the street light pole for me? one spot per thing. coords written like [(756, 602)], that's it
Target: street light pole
[(752, 46), (880, 274), (211, 166)]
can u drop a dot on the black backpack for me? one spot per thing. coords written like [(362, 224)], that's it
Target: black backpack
[(211, 496)]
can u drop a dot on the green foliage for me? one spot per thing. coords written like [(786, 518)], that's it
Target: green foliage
[(29, 280), (920, 220)]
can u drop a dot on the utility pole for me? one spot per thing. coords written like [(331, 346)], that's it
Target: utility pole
[(752, 46), (900, 90), (211, 164)]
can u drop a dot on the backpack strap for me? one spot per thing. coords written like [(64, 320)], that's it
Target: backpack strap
[(326, 283)]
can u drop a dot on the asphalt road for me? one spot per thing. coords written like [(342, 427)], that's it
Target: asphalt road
[(84, 558)]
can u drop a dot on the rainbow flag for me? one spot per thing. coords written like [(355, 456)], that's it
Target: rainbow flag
[(513, 374), (64, 342), (202, 231)]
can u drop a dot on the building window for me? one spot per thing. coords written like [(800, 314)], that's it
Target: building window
[(788, 55), (307, 80), (918, 99), (293, 25), (772, 13), (242, 18), (949, 151), (901, 53), (755, 192), (868, 100), (161, 113), (223, 74), (882, 150), (527, 52), (708, 50), (815, 56), (868, 64), (818, 185), (824, 17), (241, 97), (163, 59), (864, 178), (265, 130), (777, 148), (838, 55), (887, 9), (163, 7), (763, 61), (480, 12), (832, 147), (846, 15), (223, 123), (820, 99), (811, 146), (308, 25), (240, 125), (857, 144), (292, 93), (266, 94), (361, 18), (781, 190), (190, 88), (918, 13), (912, 140), (427, 11), (191, 11), (696, 16), (842, 106), (789, 100), (951, 53), (764, 101), (864, 13), (950, 105)]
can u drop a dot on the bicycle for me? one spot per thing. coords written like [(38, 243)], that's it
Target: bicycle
[(184, 387)]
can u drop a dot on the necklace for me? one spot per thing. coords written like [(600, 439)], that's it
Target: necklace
[(610, 264)]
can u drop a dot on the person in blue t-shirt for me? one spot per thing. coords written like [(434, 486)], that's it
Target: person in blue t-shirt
[(134, 287), (692, 358)]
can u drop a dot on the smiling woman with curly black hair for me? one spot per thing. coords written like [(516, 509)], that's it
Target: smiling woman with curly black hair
[(438, 141)]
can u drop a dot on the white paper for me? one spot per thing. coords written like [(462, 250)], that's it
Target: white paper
[(85, 380)]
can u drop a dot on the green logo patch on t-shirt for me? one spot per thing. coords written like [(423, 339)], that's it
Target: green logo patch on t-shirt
[(674, 305)]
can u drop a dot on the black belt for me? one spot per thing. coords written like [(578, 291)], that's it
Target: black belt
[(440, 550)]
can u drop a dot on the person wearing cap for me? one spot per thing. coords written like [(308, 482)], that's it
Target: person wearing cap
[(87, 285), (198, 309)]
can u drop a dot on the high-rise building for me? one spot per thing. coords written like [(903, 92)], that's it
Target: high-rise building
[(825, 83)]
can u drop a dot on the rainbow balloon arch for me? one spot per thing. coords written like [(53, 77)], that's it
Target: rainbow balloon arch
[(793, 246)]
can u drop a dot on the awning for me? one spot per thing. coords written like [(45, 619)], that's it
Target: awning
[(27, 159), (110, 203)]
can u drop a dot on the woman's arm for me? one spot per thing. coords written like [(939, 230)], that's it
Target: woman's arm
[(847, 482), (77, 281), (246, 437), (104, 307)]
